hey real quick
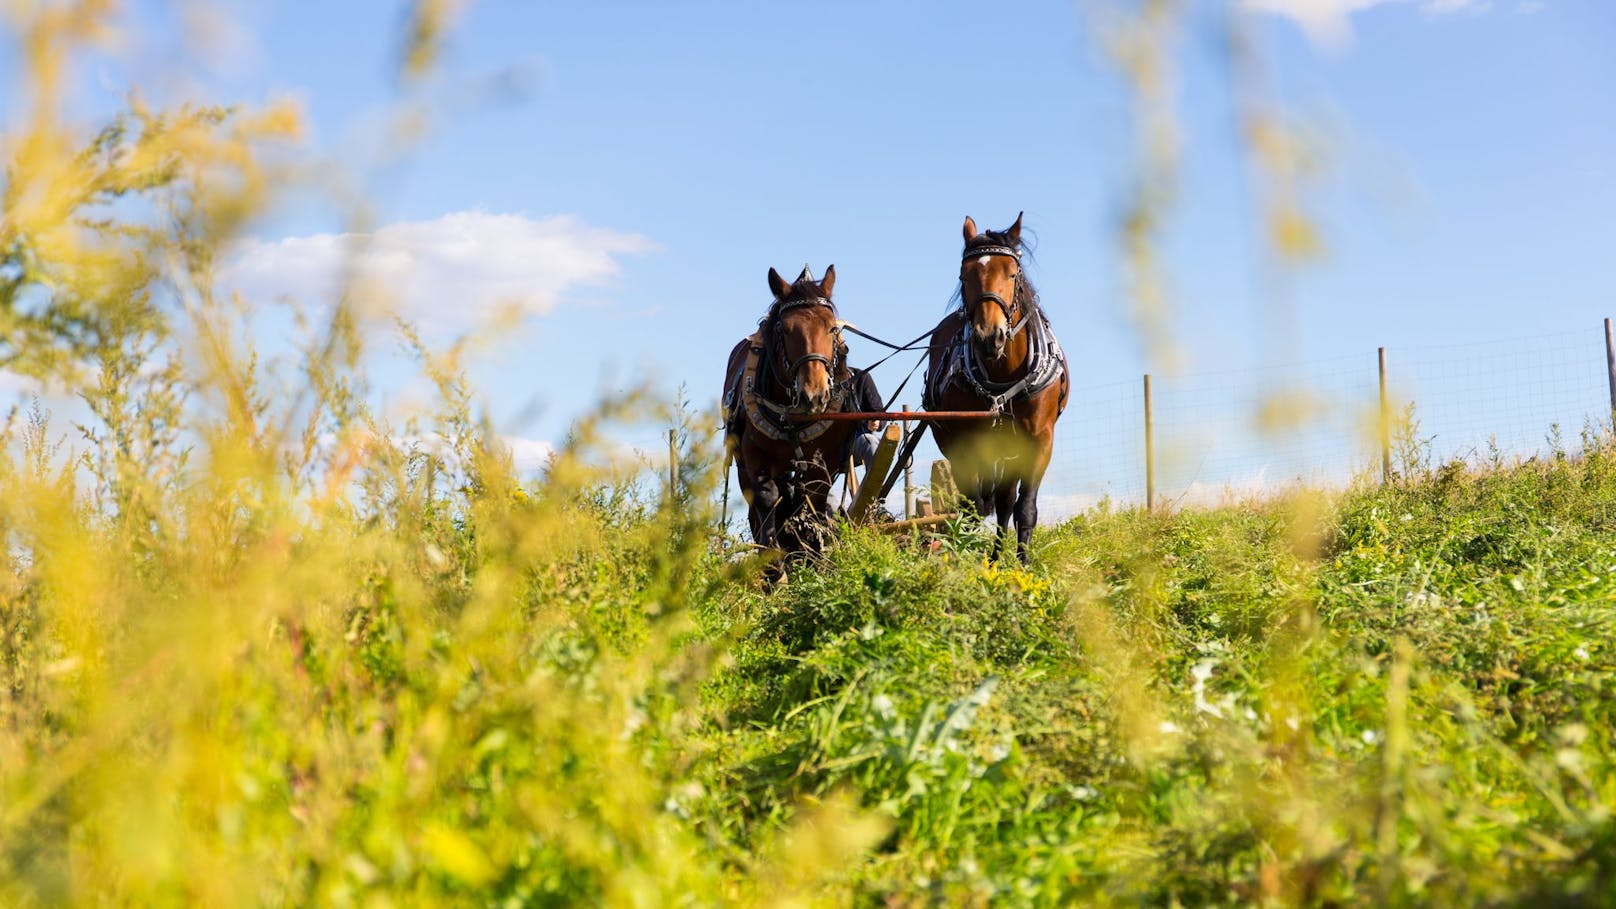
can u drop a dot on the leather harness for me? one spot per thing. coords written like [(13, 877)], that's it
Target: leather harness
[(1046, 362), (772, 418)]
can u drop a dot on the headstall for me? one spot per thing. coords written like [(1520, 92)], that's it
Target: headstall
[(773, 419), (1009, 307)]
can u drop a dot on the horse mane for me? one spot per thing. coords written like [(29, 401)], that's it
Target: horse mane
[(1029, 293)]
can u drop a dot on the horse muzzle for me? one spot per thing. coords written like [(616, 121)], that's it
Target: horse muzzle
[(814, 389), (993, 342), (815, 401)]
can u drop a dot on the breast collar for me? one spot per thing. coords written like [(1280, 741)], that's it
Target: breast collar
[(773, 418)]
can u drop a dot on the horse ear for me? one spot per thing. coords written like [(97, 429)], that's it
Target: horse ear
[(778, 285), (829, 281), (1015, 230), (970, 229)]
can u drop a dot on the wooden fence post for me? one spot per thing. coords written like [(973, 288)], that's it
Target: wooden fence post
[(864, 503), (1610, 370), (1150, 451), (673, 464), (1385, 425), (944, 494)]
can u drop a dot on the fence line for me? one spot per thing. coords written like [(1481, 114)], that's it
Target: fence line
[(1253, 430), (1235, 432)]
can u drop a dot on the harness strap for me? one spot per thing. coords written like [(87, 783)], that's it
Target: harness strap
[(758, 408), (1046, 363), (849, 326)]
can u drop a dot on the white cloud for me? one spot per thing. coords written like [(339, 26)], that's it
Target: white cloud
[(450, 272), (528, 454), (1327, 23), (17, 387)]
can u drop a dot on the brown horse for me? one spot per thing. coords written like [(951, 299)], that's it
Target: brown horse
[(794, 365), (998, 353)]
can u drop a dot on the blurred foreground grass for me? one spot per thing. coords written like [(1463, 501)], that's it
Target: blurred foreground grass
[(260, 647), (479, 691)]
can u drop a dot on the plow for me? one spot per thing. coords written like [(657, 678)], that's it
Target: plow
[(892, 457)]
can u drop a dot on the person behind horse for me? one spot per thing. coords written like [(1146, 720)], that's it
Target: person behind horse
[(867, 399)]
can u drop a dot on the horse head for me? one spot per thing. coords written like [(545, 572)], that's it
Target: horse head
[(990, 286), (805, 336)]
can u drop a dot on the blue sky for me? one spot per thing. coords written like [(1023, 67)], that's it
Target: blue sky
[(643, 164)]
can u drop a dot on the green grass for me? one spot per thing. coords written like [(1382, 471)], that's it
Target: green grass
[(1401, 695), (473, 692), (260, 647)]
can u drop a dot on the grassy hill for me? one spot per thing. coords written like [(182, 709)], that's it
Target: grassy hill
[(475, 692), (1402, 694)]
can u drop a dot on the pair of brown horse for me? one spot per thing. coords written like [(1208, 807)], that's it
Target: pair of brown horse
[(995, 354)]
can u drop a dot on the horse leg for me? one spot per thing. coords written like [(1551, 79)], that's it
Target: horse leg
[(1027, 503), (977, 487), (766, 510), (749, 492), (1026, 516), (814, 486), (968, 483), (767, 513), (754, 519), (1003, 497)]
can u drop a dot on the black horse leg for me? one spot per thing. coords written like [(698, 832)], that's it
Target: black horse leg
[(1003, 495), (766, 512), (981, 493), (973, 492), (813, 516), (1026, 517)]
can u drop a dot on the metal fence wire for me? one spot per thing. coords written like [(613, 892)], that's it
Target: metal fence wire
[(1233, 434), (1221, 435)]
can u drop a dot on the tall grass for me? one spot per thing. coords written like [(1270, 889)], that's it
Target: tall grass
[(260, 647), (1405, 700)]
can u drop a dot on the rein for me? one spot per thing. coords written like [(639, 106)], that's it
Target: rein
[(895, 348)]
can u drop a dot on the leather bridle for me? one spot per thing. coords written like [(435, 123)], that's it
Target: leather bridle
[(791, 368), (1011, 307)]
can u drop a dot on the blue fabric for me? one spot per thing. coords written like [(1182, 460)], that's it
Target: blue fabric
[(864, 444)]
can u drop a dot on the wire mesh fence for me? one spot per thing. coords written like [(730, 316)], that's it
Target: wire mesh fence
[(1236, 433), (1227, 434)]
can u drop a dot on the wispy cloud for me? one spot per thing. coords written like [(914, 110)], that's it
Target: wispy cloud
[(16, 385), (450, 272), (1328, 23), (1441, 7), (528, 455)]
